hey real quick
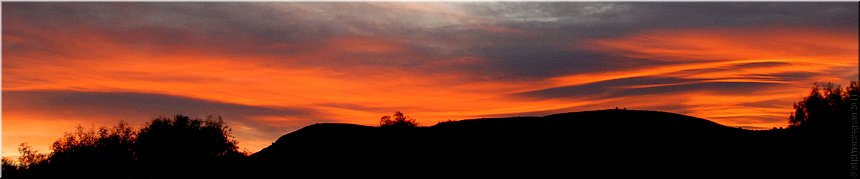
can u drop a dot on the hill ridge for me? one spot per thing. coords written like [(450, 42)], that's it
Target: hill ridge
[(643, 143)]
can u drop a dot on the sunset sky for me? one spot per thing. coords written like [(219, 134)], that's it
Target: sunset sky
[(271, 68)]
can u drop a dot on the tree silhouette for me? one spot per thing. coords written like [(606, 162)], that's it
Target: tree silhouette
[(181, 145), (825, 108), (29, 156), (819, 127), (398, 120), (31, 163), (182, 137), (106, 152), (10, 168), (177, 147)]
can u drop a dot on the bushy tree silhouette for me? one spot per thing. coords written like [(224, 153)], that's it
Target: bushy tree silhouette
[(31, 164), (10, 168), (820, 127), (398, 120), (29, 157), (110, 150), (180, 145), (827, 107)]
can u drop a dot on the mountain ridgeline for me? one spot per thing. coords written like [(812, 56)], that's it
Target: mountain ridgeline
[(818, 143), (605, 143)]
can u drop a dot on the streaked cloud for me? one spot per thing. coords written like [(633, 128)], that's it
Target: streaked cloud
[(270, 68)]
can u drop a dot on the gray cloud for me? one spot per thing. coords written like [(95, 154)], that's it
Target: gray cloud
[(666, 85), (443, 30), (603, 89), (715, 87), (639, 16)]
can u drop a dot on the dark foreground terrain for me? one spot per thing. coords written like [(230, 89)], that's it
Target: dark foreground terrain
[(591, 144), (603, 144)]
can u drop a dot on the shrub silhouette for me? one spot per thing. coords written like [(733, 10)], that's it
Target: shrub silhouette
[(398, 120)]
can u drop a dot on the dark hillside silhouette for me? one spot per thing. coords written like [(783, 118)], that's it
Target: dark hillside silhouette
[(638, 142)]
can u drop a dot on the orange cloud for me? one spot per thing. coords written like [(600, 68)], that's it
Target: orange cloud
[(769, 42), (744, 55), (101, 63), (356, 79)]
